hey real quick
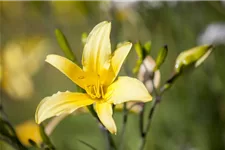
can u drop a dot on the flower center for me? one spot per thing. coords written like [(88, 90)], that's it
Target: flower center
[(95, 91)]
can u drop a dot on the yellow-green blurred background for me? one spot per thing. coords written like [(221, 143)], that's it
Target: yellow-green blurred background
[(192, 114)]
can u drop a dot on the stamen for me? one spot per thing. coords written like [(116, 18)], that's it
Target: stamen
[(95, 91), (102, 90), (91, 91)]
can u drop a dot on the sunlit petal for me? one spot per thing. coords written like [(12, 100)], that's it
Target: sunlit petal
[(97, 49), (104, 112), (62, 102), (70, 69), (117, 60), (127, 89)]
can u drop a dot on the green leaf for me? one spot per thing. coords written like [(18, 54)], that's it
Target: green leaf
[(87, 144), (64, 45)]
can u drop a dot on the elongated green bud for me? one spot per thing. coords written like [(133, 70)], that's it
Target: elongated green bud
[(142, 51), (147, 48), (139, 53), (194, 56), (161, 57)]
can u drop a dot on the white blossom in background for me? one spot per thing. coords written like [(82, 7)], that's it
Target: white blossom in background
[(123, 7), (223, 2), (123, 4), (154, 4), (213, 34), (160, 3)]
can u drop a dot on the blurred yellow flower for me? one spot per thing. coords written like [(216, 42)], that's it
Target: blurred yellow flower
[(28, 130), (21, 59), (100, 68), (0, 72)]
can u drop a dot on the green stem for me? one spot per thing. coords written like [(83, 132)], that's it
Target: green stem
[(157, 100), (46, 140), (111, 141), (125, 117), (141, 121)]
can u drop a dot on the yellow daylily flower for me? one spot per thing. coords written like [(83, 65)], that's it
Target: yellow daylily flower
[(97, 78)]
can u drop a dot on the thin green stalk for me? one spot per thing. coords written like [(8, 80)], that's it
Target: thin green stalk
[(125, 117), (157, 100), (141, 121), (46, 140), (111, 141)]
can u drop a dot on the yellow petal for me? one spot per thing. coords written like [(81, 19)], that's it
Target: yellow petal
[(97, 49), (70, 69), (62, 102), (127, 89), (117, 60), (104, 112)]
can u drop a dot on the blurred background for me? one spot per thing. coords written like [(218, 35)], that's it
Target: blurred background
[(192, 114)]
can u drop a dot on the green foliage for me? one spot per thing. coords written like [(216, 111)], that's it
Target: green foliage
[(64, 45)]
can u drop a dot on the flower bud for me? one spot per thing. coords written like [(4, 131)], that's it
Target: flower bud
[(146, 73), (194, 56), (134, 107), (161, 57), (142, 51)]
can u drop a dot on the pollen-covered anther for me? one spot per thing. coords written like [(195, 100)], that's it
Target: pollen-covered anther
[(95, 91)]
